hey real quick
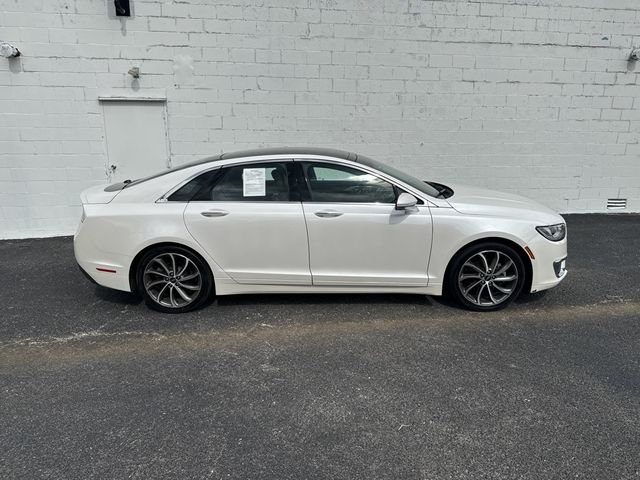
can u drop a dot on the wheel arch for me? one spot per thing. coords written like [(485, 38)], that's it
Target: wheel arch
[(136, 261), (528, 266)]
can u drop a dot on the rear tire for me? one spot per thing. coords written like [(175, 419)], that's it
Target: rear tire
[(486, 277), (173, 279)]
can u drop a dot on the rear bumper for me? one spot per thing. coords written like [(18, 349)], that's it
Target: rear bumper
[(86, 275), (102, 268)]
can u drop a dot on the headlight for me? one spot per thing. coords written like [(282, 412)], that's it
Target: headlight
[(555, 233)]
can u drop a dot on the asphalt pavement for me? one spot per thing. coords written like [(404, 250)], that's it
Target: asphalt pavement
[(95, 385)]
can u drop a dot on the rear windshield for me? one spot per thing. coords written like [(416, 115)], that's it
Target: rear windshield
[(128, 183)]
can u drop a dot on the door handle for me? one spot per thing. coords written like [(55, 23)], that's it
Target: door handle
[(214, 213), (328, 213)]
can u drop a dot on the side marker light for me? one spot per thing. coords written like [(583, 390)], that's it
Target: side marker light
[(107, 270)]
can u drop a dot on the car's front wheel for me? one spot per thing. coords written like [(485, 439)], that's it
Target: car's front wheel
[(486, 276), (173, 279)]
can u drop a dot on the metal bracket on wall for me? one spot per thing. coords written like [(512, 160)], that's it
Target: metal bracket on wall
[(123, 9)]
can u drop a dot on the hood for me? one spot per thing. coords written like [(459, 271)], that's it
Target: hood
[(480, 201), (99, 194)]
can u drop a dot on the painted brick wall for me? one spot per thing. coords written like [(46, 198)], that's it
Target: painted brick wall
[(531, 96)]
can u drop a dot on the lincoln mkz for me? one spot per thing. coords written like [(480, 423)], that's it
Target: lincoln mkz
[(303, 220)]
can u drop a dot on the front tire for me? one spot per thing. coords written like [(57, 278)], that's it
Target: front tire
[(486, 277), (173, 279)]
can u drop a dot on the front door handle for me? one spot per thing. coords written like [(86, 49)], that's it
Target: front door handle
[(214, 213), (328, 213)]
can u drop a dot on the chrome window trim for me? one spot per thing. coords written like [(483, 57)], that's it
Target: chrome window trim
[(365, 168), (304, 157), (164, 198)]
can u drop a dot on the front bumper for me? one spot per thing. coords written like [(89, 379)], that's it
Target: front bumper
[(550, 263), (560, 267)]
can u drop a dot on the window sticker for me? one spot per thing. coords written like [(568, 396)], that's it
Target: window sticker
[(253, 182)]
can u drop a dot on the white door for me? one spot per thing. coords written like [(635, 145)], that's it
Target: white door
[(136, 137), (251, 226), (356, 235)]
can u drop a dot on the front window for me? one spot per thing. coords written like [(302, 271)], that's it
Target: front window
[(341, 184)]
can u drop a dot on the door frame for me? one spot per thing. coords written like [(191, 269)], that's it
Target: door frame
[(293, 191), (151, 98), (306, 199)]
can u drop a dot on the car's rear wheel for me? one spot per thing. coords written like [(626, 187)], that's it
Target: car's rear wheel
[(487, 276), (173, 279)]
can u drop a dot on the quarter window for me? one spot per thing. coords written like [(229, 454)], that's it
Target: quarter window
[(197, 189), (341, 184)]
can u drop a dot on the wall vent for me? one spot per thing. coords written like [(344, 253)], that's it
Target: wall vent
[(616, 203)]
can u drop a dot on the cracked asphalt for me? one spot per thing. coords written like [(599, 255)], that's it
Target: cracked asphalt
[(94, 385)]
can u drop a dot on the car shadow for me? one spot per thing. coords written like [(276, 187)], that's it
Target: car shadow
[(117, 296), (283, 299), (529, 298), (322, 298), (523, 299)]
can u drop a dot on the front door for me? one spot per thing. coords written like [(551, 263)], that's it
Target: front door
[(356, 235), (251, 223)]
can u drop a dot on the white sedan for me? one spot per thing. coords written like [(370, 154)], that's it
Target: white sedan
[(314, 220)]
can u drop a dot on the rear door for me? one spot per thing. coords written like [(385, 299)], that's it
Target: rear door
[(251, 222), (356, 235)]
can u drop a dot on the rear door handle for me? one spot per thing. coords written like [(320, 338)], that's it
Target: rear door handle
[(328, 213), (214, 213)]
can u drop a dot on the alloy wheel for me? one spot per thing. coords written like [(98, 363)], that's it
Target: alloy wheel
[(172, 280), (488, 278)]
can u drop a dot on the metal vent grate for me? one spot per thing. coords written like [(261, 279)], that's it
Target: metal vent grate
[(616, 203)]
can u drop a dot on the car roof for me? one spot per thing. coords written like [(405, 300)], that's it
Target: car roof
[(257, 152)]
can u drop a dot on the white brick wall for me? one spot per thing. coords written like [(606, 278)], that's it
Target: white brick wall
[(535, 97)]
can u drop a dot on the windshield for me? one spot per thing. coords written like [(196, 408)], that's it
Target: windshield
[(400, 175)]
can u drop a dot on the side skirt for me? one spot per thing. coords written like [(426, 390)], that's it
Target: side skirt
[(229, 287)]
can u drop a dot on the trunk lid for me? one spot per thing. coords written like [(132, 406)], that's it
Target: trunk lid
[(101, 193)]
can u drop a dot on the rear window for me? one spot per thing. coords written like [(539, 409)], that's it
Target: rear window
[(257, 182)]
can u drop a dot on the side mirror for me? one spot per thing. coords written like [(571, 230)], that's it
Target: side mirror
[(406, 202)]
